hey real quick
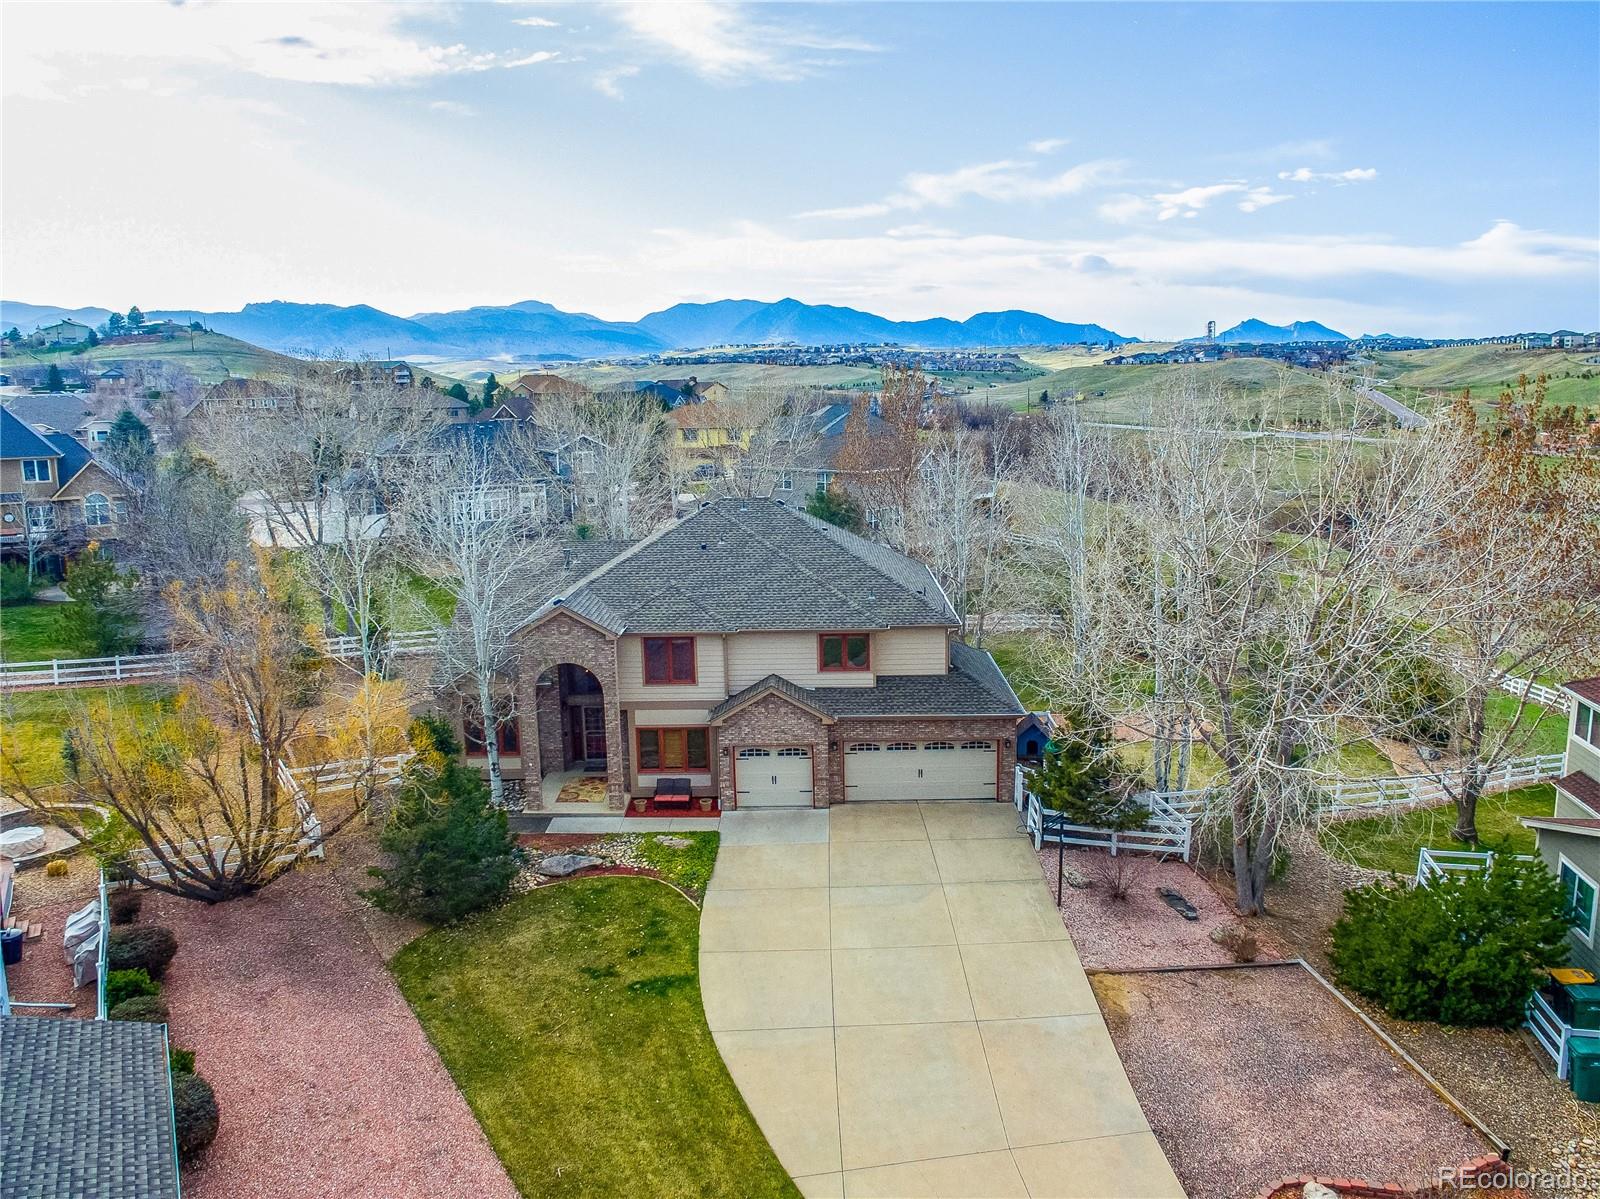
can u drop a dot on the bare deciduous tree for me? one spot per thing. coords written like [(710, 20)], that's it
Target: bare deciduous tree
[(475, 517), (613, 456)]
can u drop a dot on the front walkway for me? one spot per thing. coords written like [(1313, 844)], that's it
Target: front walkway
[(900, 1004)]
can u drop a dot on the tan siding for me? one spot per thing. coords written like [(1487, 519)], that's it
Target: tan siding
[(1582, 757), (753, 656), (911, 651), (709, 688), (1568, 808), (92, 477)]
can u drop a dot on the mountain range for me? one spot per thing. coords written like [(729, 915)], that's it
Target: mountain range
[(534, 329)]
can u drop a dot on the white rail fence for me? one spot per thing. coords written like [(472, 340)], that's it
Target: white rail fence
[(1539, 693), (138, 668), (1555, 1035), (1438, 863), (1174, 814)]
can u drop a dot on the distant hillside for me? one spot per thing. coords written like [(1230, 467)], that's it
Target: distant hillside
[(533, 329), (1260, 333), (28, 317), (209, 357)]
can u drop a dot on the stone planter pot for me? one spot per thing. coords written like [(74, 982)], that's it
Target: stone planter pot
[(638, 803), (705, 803)]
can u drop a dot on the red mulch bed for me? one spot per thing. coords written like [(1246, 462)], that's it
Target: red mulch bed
[(43, 975), (1251, 1074), (651, 812), (327, 1084)]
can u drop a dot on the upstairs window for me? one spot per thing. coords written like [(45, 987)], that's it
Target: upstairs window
[(669, 660), (1586, 727), (96, 509), (36, 470), (844, 651)]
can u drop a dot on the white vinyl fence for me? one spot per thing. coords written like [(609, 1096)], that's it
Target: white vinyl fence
[(1438, 863), (1173, 814), (144, 668)]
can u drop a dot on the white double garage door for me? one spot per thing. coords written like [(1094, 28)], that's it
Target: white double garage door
[(778, 776)]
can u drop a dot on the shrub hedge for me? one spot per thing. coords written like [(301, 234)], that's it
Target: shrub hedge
[(194, 1105), (125, 984), (152, 1009), (147, 947)]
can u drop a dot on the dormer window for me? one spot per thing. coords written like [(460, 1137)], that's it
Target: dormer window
[(844, 651)]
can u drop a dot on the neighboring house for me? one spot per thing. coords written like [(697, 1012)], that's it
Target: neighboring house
[(693, 391), (513, 407), (53, 489), (819, 465), (1569, 838), (710, 431), (88, 1109), (772, 659), (61, 412), (62, 333), (531, 387)]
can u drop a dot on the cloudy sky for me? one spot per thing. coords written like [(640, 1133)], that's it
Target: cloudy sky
[(1419, 168)]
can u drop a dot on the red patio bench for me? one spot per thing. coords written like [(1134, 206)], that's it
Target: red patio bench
[(672, 793)]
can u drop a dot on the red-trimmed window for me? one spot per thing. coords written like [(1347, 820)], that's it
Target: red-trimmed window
[(674, 749), (669, 660), (844, 651), (508, 735)]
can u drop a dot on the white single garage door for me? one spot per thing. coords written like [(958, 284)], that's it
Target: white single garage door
[(773, 776), (876, 770)]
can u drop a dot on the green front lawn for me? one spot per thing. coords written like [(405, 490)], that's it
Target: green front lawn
[(1542, 730), (32, 633), (570, 1018), (1392, 842), (1014, 654)]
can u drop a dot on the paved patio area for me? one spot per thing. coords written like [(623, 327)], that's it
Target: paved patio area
[(898, 1001)]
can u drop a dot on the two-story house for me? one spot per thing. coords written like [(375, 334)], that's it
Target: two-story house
[(53, 490), (1569, 838), (771, 659)]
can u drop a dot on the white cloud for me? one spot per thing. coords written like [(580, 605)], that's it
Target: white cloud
[(1002, 182), (537, 22), (453, 107), (52, 50), (609, 81), (1191, 200), (1048, 145), (1307, 175), (529, 60), (1258, 198), (719, 41)]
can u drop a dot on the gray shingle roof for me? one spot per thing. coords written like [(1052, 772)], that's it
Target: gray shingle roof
[(87, 1107), (739, 565), (973, 687), (64, 411)]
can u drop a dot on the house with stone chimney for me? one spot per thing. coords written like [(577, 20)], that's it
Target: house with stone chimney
[(758, 657)]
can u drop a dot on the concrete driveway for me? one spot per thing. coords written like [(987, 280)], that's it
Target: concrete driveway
[(901, 1007)]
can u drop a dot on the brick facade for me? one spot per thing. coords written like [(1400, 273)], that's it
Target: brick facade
[(775, 720), (557, 639), (772, 720)]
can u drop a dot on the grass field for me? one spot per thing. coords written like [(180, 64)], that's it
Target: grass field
[(1487, 370), (31, 722), (32, 633), (209, 357), (571, 1020), (1391, 842)]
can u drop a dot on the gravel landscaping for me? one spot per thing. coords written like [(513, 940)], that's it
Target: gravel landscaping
[(1251, 1074), (1140, 929), (327, 1084)]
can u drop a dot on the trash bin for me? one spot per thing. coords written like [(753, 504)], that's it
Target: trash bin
[(1583, 1005), (1583, 1057), (11, 946)]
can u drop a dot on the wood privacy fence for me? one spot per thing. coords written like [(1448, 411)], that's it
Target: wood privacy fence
[(145, 668)]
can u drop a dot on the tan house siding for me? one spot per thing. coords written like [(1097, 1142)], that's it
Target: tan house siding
[(1568, 808), (753, 656), (911, 651), (710, 685), (92, 477)]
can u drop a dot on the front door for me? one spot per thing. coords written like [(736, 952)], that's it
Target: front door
[(594, 733)]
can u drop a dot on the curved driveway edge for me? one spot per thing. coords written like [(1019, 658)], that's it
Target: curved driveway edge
[(899, 1003)]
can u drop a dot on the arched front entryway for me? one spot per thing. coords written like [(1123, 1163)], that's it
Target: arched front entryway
[(574, 738)]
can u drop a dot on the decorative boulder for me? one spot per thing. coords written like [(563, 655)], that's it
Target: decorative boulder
[(562, 864)]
